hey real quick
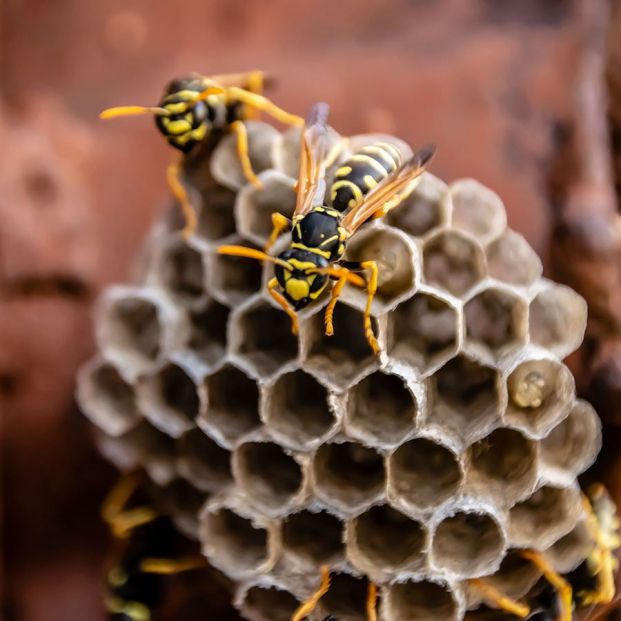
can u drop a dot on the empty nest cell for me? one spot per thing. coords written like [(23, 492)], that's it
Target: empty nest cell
[(381, 410), (216, 219), (453, 262), (232, 405), (423, 474), (540, 395), (207, 336), (424, 331), (268, 603), (420, 601), (313, 539), (181, 272), (267, 476), (233, 279), (385, 540), (468, 544), (571, 549), (348, 476), (511, 259), (346, 598), (296, 410)]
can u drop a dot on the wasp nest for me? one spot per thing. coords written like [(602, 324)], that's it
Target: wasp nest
[(419, 469)]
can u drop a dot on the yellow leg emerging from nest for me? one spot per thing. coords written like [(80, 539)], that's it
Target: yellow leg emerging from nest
[(494, 596), (168, 566), (371, 291), (310, 604), (279, 224), (242, 151), (372, 602), (271, 287), (173, 176)]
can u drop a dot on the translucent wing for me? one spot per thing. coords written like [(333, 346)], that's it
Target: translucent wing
[(313, 152), (389, 192)]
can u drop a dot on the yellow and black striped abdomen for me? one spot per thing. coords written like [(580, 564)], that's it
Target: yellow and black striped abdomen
[(361, 172)]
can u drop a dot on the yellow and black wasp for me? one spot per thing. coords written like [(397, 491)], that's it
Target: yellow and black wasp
[(194, 107), (147, 551), (319, 233)]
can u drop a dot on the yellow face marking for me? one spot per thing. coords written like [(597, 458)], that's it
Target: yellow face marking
[(178, 126), (302, 265), (297, 289), (369, 181), (343, 171), (315, 294), (372, 162)]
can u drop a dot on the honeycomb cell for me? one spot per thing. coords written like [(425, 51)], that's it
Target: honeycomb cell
[(571, 447), (558, 319), (261, 337), (348, 476), (216, 216), (466, 398), (382, 542), (268, 477), (396, 259), (311, 539), (540, 395), (232, 280), (503, 465), (296, 410), (182, 501), (468, 544), (420, 601), (510, 259), (255, 206), (207, 337), (225, 164), (232, 409), (423, 474), (544, 518), (267, 603), (346, 597), (381, 410), (107, 399), (340, 359), (203, 463), (569, 551), (170, 399), (495, 322), (477, 210), (453, 262), (423, 210)]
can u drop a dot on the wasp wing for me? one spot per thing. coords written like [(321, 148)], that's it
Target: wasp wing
[(390, 192), (314, 144)]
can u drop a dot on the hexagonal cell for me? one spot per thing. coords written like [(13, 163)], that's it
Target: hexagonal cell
[(383, 541), (495, 321), (540, 395), (254, 206), (477, 210), (268, 477), (503, 465), (268, 603), (558, 319), (380, 410), (311, 539), (544, 518), (423, 474), (233, 279), (396, 260), (204, 463), (571, 447), (571, 550), (338, 359), (234, 544), (262, 336), (466, 398), (169, 399), (511, 259), (182, 501), (207, 338), (425, 331), (468, 543), (296, 410), (420, 601), (346, 598), (422, 211), (232, 409), (107, 399), (225, 165), (180, 270), (216, 218), (453, 262), (348, 475)]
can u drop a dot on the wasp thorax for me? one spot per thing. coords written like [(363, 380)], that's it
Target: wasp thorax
[(301, 283)]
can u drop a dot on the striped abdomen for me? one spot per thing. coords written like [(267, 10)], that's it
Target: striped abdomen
[(362, 171)]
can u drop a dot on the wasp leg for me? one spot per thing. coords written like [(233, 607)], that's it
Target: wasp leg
[(173, 176), (280, 223), (310, 604), (556, 580), (239, 129), (372, 602), (168, 566), (252, 81), (494, 596), (271, 287), (264, 105), (343, 276), (371, 291)]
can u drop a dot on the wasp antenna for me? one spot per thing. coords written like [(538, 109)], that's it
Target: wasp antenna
[(251, 253), (111, 113)]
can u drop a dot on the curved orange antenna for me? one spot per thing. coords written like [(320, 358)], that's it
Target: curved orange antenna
[(111, 113), (251, 253)]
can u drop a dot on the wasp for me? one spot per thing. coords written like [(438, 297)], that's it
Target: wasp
[(146, 553), (319, 233), (195, 107)]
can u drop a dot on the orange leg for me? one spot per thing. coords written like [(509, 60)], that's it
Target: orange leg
[(239, 129), (494, 596), (169, 566), (173, 176), (336, 292), (271, 287), (310, 604), (279, 224), (371, 291), (372, 602)]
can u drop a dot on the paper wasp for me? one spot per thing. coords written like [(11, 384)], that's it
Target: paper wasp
[(146, 553), (319, 233), (194, 107)]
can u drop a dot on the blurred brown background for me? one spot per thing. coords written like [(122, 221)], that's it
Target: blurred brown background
[(513, 93)]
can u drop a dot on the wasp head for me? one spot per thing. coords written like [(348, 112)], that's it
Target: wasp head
[(302, 282)]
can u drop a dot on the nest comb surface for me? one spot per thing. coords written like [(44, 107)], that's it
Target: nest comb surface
[(419, 469)]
